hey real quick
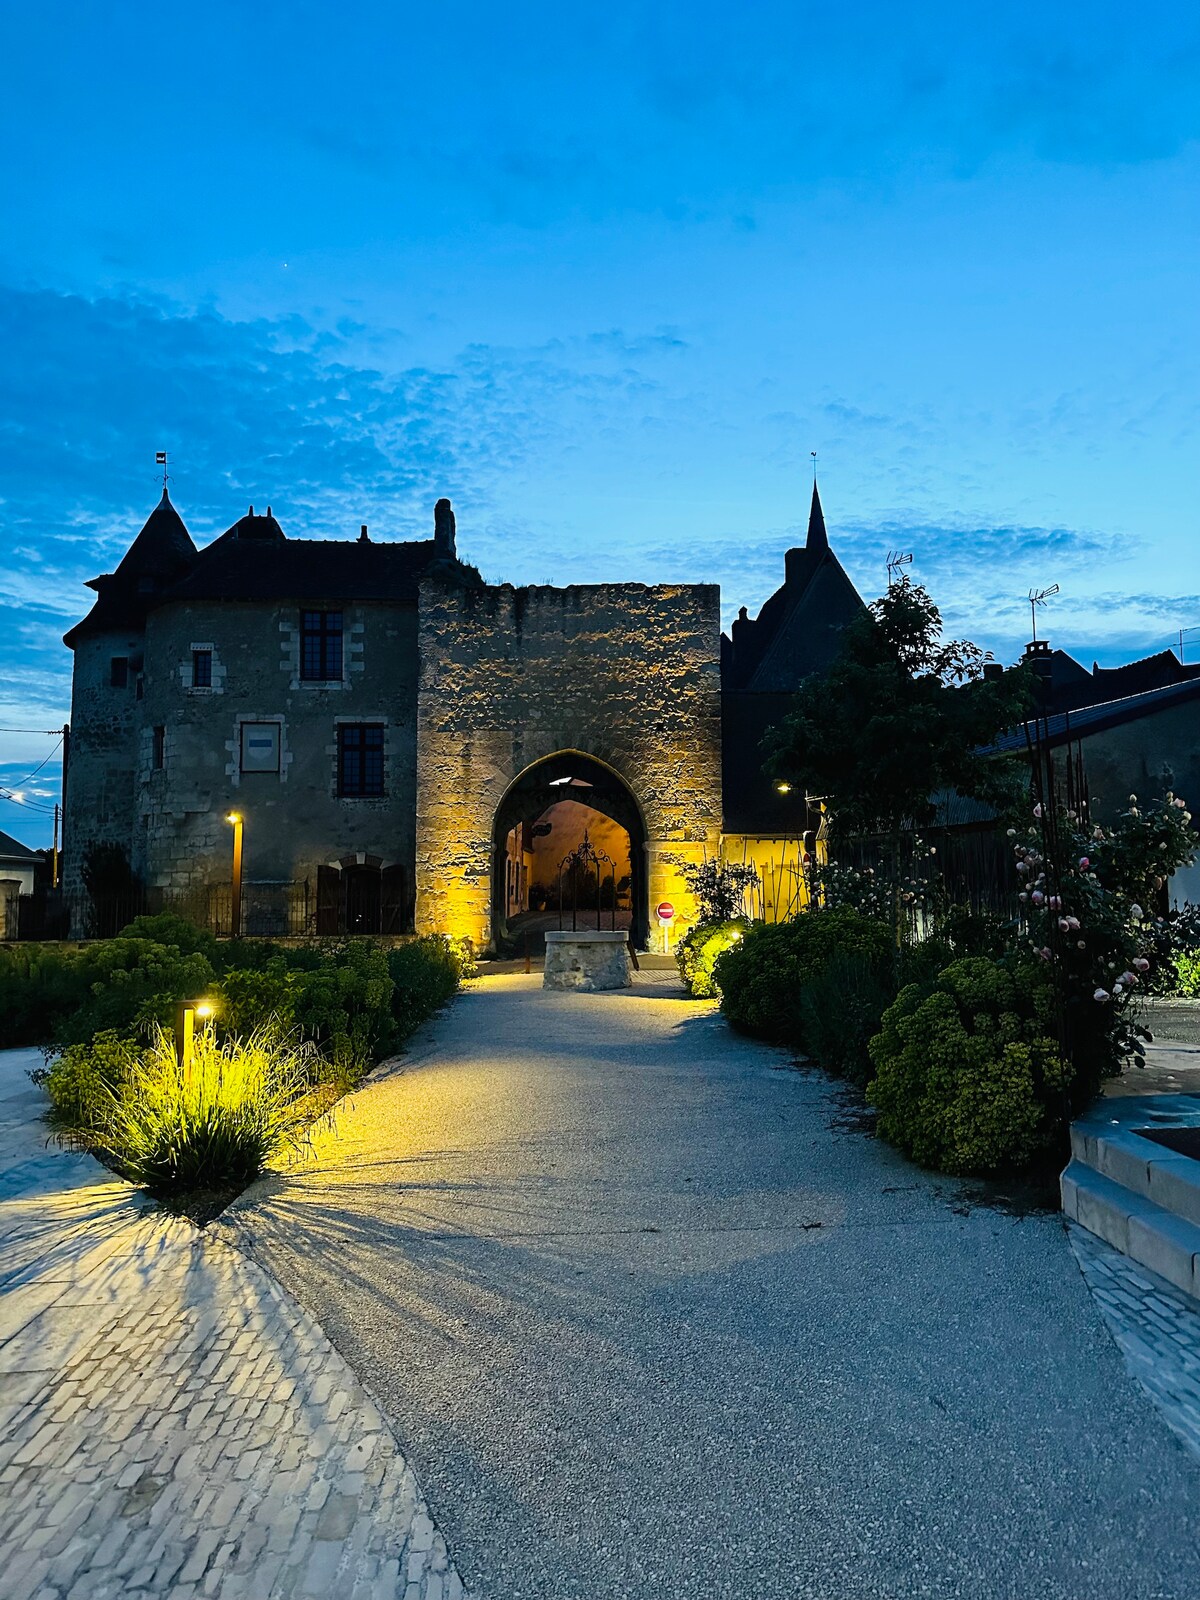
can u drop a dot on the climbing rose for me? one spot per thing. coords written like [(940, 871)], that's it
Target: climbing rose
[(1084, 863), (1101, 994), (1136, 913), (1142, 964)]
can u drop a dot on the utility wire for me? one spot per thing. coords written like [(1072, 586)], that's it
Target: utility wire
[(30, 805), (39, 766), (58, 731)]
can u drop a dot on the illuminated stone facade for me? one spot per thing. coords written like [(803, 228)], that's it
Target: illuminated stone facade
[(624, 673)]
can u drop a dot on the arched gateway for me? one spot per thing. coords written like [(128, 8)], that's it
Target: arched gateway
[(548, 706), (543, 873)]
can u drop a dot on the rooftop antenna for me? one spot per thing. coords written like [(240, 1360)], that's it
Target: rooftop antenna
[(896, 560), (1182, 631), (1038, 597), (160, 460)]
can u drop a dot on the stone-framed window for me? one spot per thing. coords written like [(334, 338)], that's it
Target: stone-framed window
[(320, 646), (118, 671), (202, 669), (360, 773), (159, 749)]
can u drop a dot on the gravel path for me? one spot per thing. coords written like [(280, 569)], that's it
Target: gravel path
[(649, 1320)]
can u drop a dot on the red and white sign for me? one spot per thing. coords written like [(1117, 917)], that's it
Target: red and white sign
[(666, 911)]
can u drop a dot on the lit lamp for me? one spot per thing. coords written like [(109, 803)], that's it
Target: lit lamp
[(186, 1013), (783, 788), (235, 907)]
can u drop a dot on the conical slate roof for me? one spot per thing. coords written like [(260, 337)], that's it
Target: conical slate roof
[(162, 552), (817, 539), (162, 549)]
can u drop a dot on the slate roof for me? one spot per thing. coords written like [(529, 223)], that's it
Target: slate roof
[(160, 553), (1072, 724), (252, 561), (241, 568), (13, 850)]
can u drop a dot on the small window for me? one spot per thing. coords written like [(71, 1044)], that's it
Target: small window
[(160, 748), (321, 646), (118, 671), (201, 669), (360, 760)]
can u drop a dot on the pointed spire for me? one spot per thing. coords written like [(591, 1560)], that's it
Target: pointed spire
[(818, 539)]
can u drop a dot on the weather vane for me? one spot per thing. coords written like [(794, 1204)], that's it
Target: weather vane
[(813, 454), (160, 460), (1038, 597), (896, 559)]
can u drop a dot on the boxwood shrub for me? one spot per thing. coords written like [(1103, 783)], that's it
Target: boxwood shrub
[(697, 953), (968, 1078)]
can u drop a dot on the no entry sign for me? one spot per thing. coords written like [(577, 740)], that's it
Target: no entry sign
[(666, 911)]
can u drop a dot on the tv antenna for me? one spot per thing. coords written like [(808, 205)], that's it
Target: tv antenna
[(896, 560), (1038, 597), (1182, 632), (160, 460)]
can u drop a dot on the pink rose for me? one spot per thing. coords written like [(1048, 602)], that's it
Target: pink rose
[(1084, 863)]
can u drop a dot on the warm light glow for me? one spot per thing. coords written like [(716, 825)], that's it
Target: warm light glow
[(784, 788), (204, 1008), (233, 817)]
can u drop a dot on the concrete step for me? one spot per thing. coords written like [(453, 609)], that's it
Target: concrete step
[(1148, 1169), (1134, 1224)]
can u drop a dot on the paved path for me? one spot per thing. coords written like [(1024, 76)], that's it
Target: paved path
[(649, 1322), (170, 1425)]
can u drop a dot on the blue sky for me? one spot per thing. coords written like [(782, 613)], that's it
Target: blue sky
[(606, 275)]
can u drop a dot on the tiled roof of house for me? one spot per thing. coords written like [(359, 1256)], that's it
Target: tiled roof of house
[(13, 850), (1064, 726)]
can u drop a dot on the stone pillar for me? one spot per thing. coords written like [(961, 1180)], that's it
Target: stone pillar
[(10, 907)]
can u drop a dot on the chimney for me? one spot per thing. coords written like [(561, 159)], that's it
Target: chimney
[(363, 536), (443, 528)]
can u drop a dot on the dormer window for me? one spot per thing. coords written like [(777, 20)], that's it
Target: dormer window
[(321, 646), (201, 669)]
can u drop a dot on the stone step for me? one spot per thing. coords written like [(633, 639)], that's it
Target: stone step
[(1151, 1170), (1134, 1224)]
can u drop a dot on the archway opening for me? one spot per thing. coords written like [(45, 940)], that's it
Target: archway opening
[(569, 852)]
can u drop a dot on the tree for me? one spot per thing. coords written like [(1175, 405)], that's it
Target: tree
[(900, 714)]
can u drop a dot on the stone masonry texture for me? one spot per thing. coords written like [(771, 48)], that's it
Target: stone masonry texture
[(624, 673)]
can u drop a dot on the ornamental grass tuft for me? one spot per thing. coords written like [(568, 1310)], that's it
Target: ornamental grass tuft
[(213, 1124)]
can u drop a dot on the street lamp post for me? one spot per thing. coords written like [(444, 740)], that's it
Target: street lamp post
[(235, 909)]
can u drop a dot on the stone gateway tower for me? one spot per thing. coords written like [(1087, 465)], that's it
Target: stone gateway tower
[(411, 748)]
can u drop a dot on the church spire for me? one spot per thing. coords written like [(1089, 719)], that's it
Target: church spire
[(818, 539)]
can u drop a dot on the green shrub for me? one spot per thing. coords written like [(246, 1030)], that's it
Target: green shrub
[(968, 1078), (425, 974), (840, 1009), (696, 954), (211, 1125), (167, 928), (38, 985), (1187, 974), (79, 1080), (763, 978), (248, 998), (132, 984)]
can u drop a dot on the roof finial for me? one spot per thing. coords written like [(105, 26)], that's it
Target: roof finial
[(160, 460)]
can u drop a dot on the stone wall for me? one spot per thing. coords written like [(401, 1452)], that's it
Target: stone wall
[(625, 673), (100, 799), (294, 818)]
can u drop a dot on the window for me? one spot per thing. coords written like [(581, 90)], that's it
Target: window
[(160, 748), (118, 671), (201, 669), (360, 759), (321, 646)]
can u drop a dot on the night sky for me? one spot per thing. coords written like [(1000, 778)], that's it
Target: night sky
[(606, 275)]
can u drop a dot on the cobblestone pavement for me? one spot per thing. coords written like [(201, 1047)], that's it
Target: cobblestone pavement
[(1156, 1327), (171, 1424)]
